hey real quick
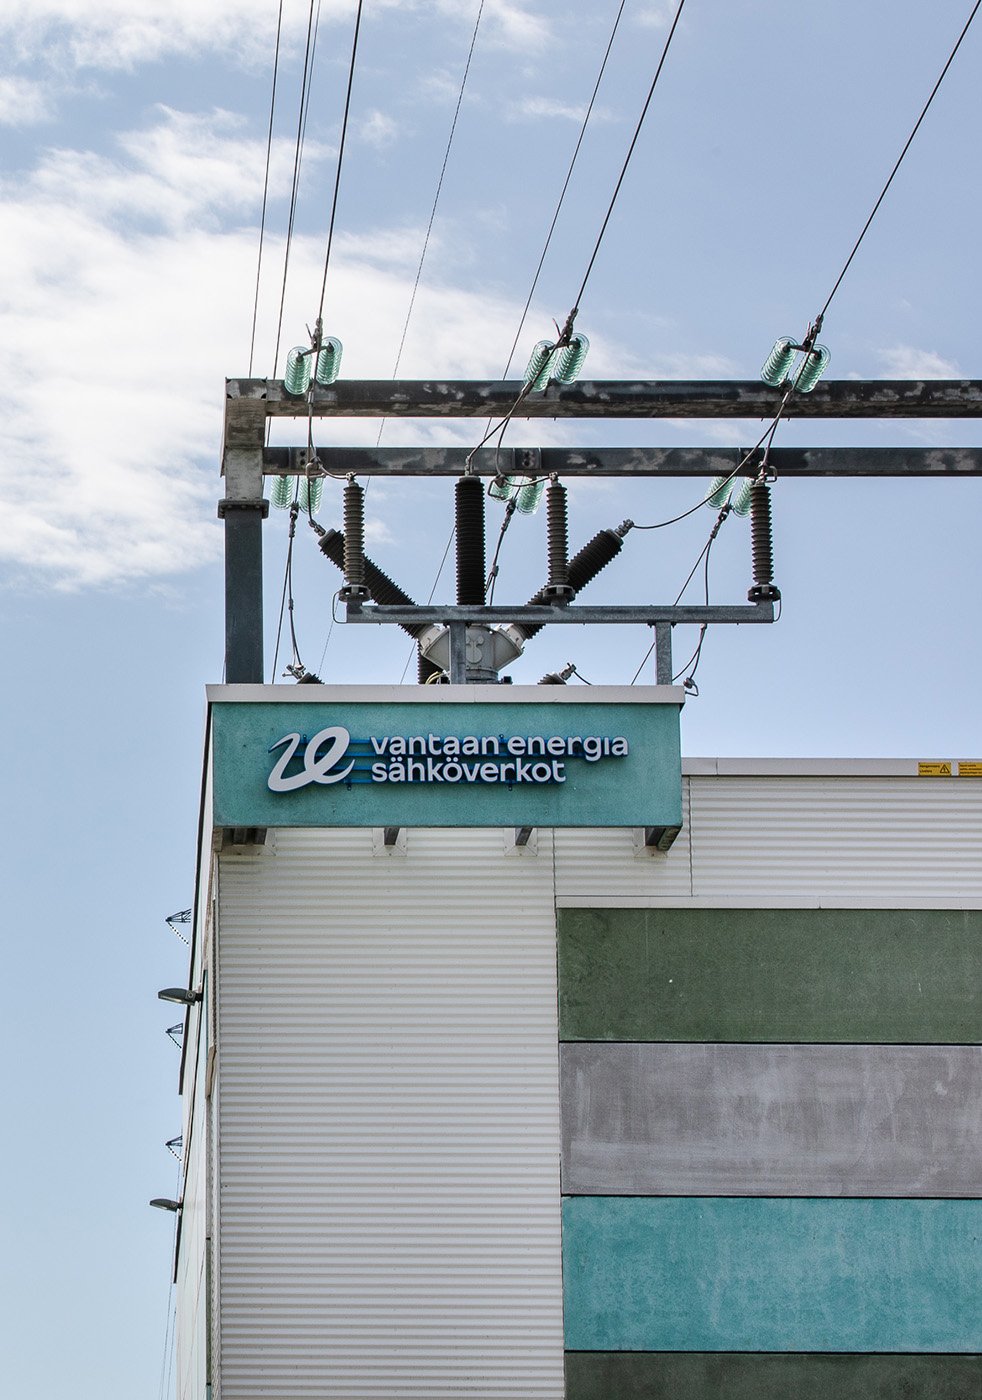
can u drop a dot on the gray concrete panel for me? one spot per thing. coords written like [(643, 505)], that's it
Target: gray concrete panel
[(771, 1120)]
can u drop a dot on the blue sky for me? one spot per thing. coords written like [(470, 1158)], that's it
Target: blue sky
[(130, 186)]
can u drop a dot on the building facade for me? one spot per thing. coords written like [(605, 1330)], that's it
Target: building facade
[(541, 1110)]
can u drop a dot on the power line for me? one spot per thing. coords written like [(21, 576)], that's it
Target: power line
[(297, 156), (337, 176), (630, 152), (562, 193), (436, 197), (899, 162), (262, 219), (566, 332)]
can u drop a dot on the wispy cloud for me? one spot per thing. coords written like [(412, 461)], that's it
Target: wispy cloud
[(378, 129), (120, 34), (127, 299), (24, 102), (116, 35), (908, 362), (552, 107), (656, 16)]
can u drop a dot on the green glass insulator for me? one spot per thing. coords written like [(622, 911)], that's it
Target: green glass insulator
[(529, 495), (742, 496), (719, 492), (281, 494), (309, 494), (539, 372), (328, 361), (811, 369), (296, 376), (502, 488), (569, 362), (774, 370)]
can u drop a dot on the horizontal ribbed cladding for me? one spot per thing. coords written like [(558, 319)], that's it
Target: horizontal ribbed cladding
[(761, 1120), (739, 1274), (882, 839), (793, 841), (739, 1376), (603, 866), (389, 1120), (822, 975)]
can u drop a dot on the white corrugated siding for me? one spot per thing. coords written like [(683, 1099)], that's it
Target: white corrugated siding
[(796, 842), (191, 1325), (389, 1130)]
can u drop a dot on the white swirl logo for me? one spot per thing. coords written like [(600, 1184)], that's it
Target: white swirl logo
[(315, 770)]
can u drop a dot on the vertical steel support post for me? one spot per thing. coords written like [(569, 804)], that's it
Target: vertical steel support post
[(663, 653), (243, 510), (458, 653)]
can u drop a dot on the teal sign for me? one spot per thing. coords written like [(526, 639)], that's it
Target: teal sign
[(341, 762)]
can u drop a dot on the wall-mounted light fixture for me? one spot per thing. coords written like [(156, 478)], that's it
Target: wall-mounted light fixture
[(184, 996), (164, 1203)]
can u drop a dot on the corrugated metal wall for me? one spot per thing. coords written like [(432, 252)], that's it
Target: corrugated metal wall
[(794, 841), (389, 1120), (389, 1150), (192, 1321)]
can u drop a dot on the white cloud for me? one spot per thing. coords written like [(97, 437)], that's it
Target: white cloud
[(23, 102), (550, 107), (907, 362), (378, 129), (119, 34), (127, 298), (505, 23), (518, 27), (656, 16)]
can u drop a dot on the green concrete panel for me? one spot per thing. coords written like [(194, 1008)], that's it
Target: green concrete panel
[(785, 975), (738, 1274), (762, 1376)]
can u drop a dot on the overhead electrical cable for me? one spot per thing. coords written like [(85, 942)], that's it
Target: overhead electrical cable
[(297, 157), (436, 201), (429, 600), (703, 555), (900, 158), (337, 175), (262, 218), (768, 437), (630, 153), (562, 193), (506, 519), (566, 333)]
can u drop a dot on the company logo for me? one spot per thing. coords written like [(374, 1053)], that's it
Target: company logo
[(317, 767), (433, 758)]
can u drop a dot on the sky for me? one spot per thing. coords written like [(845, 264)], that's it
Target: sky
[(131, 185)]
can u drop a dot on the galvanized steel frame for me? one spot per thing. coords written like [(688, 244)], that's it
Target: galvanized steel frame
[(250, 403)]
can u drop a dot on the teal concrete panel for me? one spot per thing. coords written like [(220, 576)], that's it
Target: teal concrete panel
[(738, 1274), (631, 1375), (522, 764)]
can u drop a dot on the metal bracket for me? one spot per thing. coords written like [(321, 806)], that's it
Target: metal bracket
[(259, 504)]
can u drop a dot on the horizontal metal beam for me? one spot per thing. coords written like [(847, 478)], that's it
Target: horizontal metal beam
[(613, 398), (424, 616), (628, 461)]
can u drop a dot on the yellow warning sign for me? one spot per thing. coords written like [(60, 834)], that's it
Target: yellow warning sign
[(941, 769), (970, 770)]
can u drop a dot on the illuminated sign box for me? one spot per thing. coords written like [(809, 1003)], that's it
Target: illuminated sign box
[(446, 756)]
